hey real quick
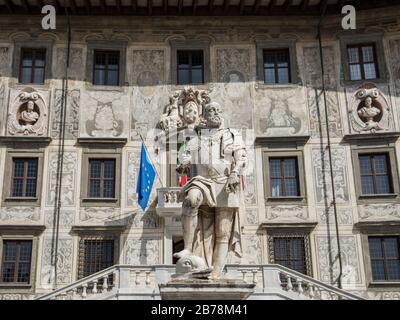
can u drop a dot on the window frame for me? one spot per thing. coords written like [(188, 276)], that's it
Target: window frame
[(95, 152), (24, 178), (290, 45), (17, 260), (361, 62), (384, 259), (178, 45), (107, 53), (374, 175), (301, 183), (33, 67), (359, 39), (32, 44), (305, 236), (8, 199), (190, 68), (276, 68), (95, 237), (101, 178), (375, 198), (102, 45)]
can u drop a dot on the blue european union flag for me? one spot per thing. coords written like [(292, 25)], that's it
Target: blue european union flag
[(145, 181)]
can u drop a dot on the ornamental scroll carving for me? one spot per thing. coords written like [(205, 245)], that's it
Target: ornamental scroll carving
[(184, 110), (27, 115), (370, 111)]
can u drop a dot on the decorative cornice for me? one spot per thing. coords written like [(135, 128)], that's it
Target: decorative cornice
[(307, 226), (368, 137), (22, 139), (108, 141), (381, 227), (92, 228), (299, 140), (22, 229)]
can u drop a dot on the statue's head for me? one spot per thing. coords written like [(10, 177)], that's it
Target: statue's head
[(30, 106), (212, 115), (190, 112), (368, 102)]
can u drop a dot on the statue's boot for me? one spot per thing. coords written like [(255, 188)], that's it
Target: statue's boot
[(219, 258), (189, 224)]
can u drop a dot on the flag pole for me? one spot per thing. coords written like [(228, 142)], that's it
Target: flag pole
[(151, 160)]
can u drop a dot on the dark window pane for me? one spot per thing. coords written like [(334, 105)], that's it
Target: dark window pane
[(365, 165), (94, 191), (367, 183), (353, 55), (378, 270), (275, 168), (39, 75), (27, 58), (391, 248), (276, 66), (112, 78), (183, 76), (393, 267), (98, 255), (290, 252), (368, 54), (291, 188), (290, 166), (26, 75), (106, 68), (24, 178), (375, 248), (190, 67), (355, 72), (382, 185), (370, 71), (16, 262)]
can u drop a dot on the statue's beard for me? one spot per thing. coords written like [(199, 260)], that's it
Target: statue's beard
[(214, 122)]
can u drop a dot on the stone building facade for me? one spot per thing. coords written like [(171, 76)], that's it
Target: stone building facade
[(277, 121)]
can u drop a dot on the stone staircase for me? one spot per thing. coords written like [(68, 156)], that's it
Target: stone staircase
[(127, 282)]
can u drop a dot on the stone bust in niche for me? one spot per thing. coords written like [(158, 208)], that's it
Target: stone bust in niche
[(368, 114), (29, 116)]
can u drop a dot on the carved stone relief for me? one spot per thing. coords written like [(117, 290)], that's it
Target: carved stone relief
[(99, 214), (148, 69), (132, 164), (27, 114), (325, 216), (105, 115), (281, 112), (251, 247), (233, 65), (321, 170), (369, 111), (146, 110), (75, 70), (395, 54), (68, 188), (64, 262), (5, 61), (142, 251), (328, 265), (312, 67), (66, 218), (72, 116), (252, 216), (147, 220), (237, 102), (287, 213), (317, 114), (379, 211), (20, 214)]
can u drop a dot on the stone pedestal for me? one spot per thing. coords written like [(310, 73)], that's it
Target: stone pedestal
[(200, 289)]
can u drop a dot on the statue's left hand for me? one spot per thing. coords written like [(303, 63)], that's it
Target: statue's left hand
[(233, 183)]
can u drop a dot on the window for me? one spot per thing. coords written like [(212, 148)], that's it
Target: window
[(106, 68), (276, 66), (291, 251), (375, 174), (385, 258), (190, 67), (32, 66), (101, 178), (24, 177), (16, 262), (96, 254), (363, 63), (284, 177)]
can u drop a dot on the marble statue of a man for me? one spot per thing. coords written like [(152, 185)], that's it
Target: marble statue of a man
[(215, 158), (29, 116)]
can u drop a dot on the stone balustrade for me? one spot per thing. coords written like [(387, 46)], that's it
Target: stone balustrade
[(141, 282), (168, 203)]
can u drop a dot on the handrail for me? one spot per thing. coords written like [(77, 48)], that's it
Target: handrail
[(271, 275)]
